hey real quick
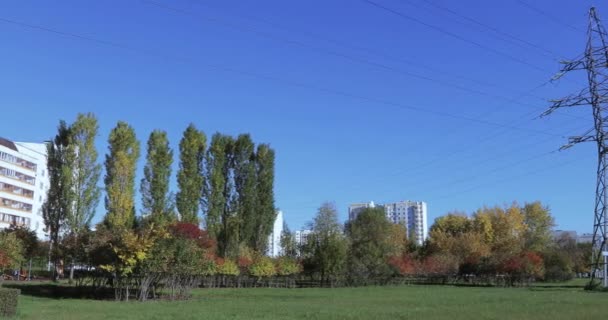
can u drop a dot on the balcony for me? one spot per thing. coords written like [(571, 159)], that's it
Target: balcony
[(14, 220), (8, 188), (15, 205), (12, 174), (17, 161)]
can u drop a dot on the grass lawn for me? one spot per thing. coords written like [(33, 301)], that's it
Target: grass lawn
[(405, 302)]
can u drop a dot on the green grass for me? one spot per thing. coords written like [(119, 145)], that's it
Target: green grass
[(553, 301)]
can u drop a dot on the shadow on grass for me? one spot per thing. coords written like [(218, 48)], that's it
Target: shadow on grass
[(60, 291)]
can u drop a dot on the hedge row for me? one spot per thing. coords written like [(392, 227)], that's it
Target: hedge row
[(8, 301)]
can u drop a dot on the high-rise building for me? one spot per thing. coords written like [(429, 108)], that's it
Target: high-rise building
[(411, 214), (355, 208), (301, 237), (274, 239), (24, 182)]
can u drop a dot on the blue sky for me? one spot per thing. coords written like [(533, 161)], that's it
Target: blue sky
[(427, 100)]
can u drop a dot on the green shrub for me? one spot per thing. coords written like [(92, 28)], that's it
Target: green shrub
[(8, 301)]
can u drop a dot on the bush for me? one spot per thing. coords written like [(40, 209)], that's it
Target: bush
[(8, 301)]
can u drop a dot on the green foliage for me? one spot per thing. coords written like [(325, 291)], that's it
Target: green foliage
[(190, 178), (11, 250), (156, 201), (245, 188), (214, 192), (8, 302), (452, 224), (227, 267), (266, 211), (58, 203), (121, 162), (287, 266), (326, 249), (262, 267), (128, 249), (371, 245), (557, 266), (86, 172), (538, 225), (289, 246), (27, 237), (563, 257), (239, 196)]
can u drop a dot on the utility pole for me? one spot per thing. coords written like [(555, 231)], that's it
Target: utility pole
[(595, 63)]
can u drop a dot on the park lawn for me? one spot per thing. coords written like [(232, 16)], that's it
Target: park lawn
[(393, 302)]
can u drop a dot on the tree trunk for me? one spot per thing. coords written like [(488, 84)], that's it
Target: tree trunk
[(72, 271), (29, 271)]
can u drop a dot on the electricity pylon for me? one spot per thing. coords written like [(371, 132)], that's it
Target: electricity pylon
[(595, 63)]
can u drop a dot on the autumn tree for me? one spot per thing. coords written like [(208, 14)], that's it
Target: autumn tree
[(119, 180), (156, 201), (11, 251), (190, 178), (538, 225)]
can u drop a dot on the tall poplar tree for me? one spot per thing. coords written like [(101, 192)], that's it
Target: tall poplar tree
[(121, 162), (156, 200), (214, 199), (86, 171), (58, 202), (245, 187), (266, 212), (190, 178)]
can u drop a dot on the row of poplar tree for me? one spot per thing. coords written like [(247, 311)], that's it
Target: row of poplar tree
[(228, 181)]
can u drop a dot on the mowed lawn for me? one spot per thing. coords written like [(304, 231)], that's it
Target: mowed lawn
[(403, 302)]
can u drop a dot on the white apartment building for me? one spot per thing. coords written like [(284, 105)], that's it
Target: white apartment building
[(24, 183), (274, 239), (411, 214), (301, 237)]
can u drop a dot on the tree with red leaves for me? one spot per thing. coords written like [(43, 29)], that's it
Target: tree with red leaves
[(404, 264)]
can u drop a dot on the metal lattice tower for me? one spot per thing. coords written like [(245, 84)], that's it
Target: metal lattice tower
[(595, 63)]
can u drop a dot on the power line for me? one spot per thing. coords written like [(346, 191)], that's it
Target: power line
[(527, 174), (505, 36), (276, 79), (350, 46), (351, 58), (454, 35), (417, 170), (549, 16)]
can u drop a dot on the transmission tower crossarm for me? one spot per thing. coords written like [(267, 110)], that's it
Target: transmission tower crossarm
[(569, 101)]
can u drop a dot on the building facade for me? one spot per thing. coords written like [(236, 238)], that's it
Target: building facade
[(24, 183), (411, 214), (301, 237), (274, 239)]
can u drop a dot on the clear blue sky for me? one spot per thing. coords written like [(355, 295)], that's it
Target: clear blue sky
[(422, 103)]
